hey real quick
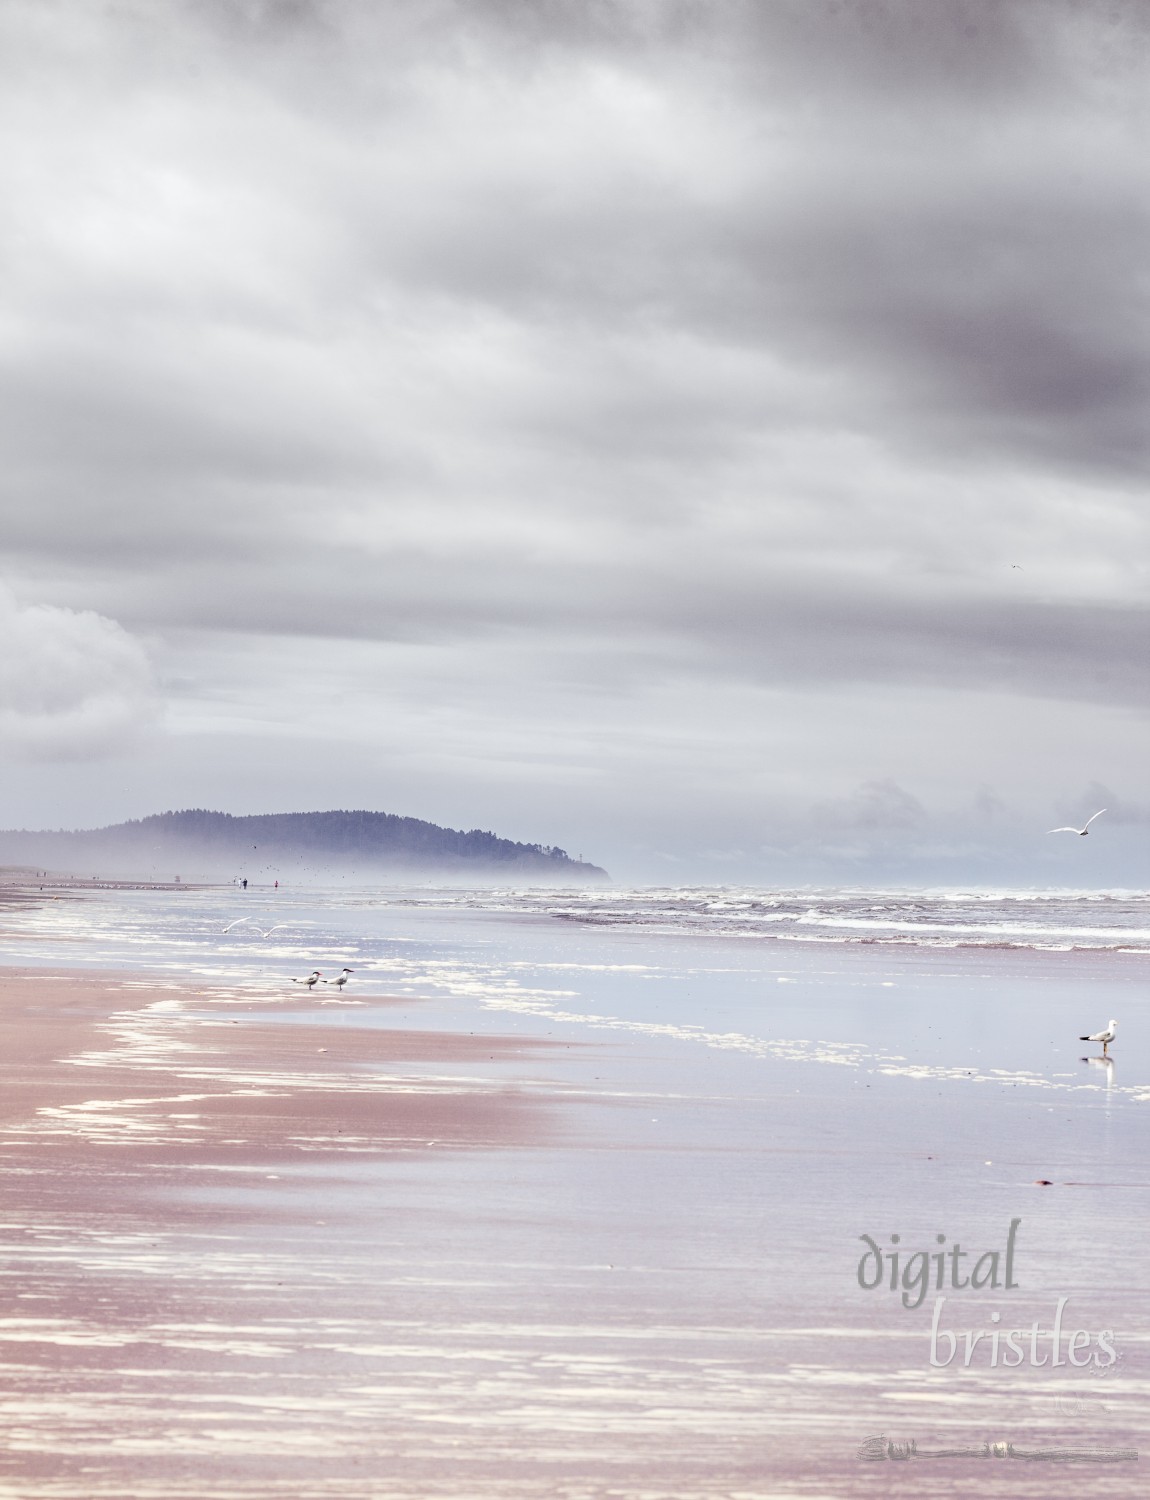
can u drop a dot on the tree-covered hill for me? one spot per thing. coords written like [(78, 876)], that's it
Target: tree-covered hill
[(356, 839)]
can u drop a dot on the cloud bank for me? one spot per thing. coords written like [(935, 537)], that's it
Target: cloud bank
[(621, 422)]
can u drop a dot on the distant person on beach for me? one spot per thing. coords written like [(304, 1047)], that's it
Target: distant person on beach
[(244, 884)]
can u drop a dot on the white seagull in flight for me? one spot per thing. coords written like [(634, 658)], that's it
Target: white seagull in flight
[(268, 933), (310, 981), (1084, 830), (1105, 1037)]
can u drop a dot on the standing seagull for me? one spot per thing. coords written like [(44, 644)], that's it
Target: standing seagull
[(311, 979), (1084, 830), (1105, 1037), (340, 979)]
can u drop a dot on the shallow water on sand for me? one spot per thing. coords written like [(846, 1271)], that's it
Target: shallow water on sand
[(657, 1293)]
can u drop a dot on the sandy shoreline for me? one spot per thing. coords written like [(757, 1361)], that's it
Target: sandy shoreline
[(22, 882), (255, 1244), (90, 1060), (139, 1135)]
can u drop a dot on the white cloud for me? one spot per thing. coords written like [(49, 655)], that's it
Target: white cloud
[(73, 684)]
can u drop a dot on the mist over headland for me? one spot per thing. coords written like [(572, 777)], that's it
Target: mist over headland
[(198, 844)]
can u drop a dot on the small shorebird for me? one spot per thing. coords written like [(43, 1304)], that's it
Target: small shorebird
[(1084, 830), (311, 979), (340, 979), (1105, 1037)]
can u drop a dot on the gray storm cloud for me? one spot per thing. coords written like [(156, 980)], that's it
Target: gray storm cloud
[(538, 372)]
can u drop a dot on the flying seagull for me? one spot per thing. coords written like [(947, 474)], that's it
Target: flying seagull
[(340, 979), (1084, 830), (1105, 1037), (310, 981)]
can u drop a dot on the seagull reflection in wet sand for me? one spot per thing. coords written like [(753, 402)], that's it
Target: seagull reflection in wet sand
[(1107, 1066)]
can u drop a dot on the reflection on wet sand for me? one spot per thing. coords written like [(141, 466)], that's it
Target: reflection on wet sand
[(256, 1247)]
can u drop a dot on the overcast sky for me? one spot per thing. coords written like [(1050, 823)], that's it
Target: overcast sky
[(707, 436)]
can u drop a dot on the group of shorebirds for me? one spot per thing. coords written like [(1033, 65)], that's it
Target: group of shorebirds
[(316, 977)]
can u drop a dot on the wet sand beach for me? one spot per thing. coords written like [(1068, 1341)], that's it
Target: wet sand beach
[(120, 1118), (83, 1053), (438, 1238)]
